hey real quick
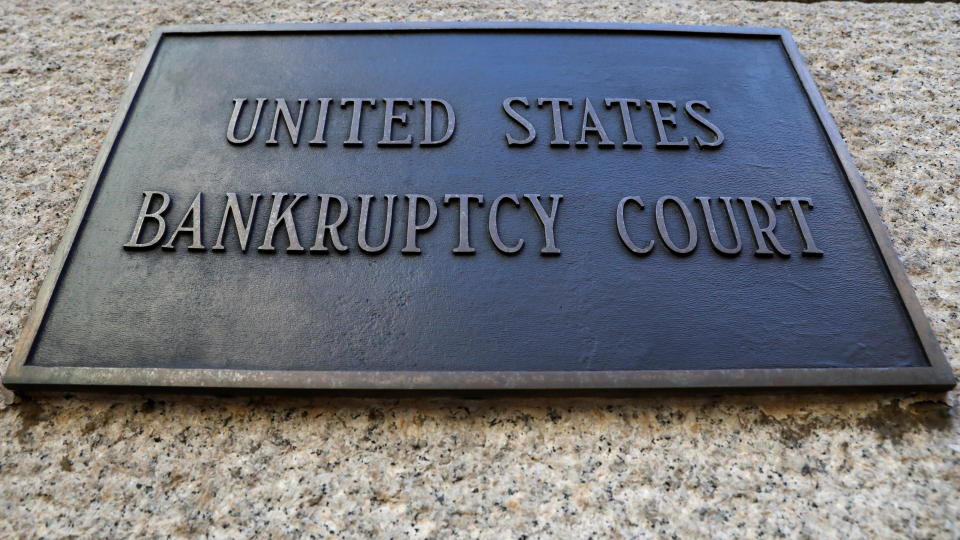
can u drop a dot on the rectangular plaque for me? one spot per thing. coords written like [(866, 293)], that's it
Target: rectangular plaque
[(475, 207)]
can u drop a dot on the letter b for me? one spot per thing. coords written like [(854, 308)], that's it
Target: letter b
[(145, 213)]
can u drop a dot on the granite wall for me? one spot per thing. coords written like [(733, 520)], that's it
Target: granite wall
[(810, 465)]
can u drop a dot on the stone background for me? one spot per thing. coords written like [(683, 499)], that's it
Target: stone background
[(810, 465)]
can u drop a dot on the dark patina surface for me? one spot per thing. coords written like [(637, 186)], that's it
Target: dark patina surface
[(629, 274)]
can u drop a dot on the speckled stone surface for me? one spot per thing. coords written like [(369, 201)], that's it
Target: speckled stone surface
[(844, 466)]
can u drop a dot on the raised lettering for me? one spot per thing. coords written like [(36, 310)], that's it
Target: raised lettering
[(320, 241), (548, 221), (243, 229), (292, 128), (412, 225), (145, 214), (809, 248), (286, 217), (630, 138), (524, 123), (232, 127), (319, 138), (660, 120), (594, 127), (688, 221), (358, 103), (760, 232), (555, 103), (712, 227), (698, 118), (464, 247), (195, 215), (622, 227), (493, 226), (428, 139), (389, 117), (364, 218)]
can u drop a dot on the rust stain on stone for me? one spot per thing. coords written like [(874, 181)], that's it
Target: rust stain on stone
[(30, 416), (893, 420)]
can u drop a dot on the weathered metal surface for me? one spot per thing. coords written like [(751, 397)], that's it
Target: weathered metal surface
[(475, 207)]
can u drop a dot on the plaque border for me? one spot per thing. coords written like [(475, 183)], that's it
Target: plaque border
[(937, 376)]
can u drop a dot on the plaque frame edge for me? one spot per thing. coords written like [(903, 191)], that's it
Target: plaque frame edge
[(936, 377)]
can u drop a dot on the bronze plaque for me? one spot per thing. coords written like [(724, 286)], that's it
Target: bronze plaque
[(475, 207)]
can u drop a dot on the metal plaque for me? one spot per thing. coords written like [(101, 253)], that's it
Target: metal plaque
[(475, 207)]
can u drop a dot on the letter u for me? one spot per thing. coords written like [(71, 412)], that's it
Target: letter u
[(237, 109), (364, 218)]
